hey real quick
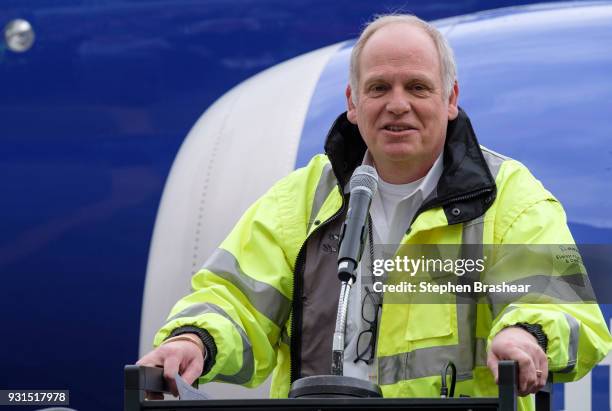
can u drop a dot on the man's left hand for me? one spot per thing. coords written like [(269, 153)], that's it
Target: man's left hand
[(514, 343)]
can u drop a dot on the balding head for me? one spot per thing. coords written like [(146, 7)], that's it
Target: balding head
[(448, 69)]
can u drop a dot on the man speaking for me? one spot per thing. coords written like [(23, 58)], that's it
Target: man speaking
[(266, 300)]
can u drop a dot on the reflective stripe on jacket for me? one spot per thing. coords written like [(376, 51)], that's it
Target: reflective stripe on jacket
[(268, 295)]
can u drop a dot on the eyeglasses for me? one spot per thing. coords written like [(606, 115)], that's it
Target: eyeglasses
[(366, 341)]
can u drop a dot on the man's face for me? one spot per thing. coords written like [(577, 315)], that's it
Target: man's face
[(401, 110)]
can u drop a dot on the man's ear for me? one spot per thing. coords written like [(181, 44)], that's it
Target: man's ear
[(351, 112), (453, 109)]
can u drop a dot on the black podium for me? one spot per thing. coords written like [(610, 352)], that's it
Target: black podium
[(140, 379)]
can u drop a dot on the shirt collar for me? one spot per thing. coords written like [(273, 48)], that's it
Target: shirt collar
[(425, 185)]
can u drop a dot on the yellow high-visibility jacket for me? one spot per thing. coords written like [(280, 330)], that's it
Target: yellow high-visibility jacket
[(266, 300)]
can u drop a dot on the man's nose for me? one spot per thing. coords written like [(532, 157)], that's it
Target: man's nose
[(398, 102)]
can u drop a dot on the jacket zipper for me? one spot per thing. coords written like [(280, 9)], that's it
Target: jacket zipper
[(469, 196), (296, 317)]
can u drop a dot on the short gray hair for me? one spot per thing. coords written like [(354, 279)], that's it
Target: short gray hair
[(445, 53)]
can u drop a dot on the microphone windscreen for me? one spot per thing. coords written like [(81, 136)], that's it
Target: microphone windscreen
[(364, 177)]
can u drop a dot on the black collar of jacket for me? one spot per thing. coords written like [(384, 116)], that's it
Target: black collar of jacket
[(466, 188)]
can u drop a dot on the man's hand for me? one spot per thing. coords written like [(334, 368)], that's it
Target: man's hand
[(182, 356), (514, 343)]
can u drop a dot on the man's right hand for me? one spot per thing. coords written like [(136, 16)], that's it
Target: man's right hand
[(182, 356)]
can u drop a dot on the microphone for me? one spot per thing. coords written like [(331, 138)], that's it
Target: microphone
[(363, 185)]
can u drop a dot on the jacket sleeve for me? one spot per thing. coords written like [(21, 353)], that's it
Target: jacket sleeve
[(241, 297), (538, 250)]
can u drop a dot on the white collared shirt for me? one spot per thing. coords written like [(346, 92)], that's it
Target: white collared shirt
[(394, 205), (392, 210)]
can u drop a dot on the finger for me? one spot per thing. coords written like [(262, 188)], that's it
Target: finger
[(542, 365), (493, 363), (193, 371), (544, 369), (171, 367), (527, 373), (152, 359)]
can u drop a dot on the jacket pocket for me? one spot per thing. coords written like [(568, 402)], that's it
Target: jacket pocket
[(427, 321)]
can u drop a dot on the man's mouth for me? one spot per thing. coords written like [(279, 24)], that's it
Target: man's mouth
[(398, 127)]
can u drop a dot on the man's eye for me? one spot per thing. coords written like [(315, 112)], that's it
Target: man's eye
[(420, 89), (378, 88)]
